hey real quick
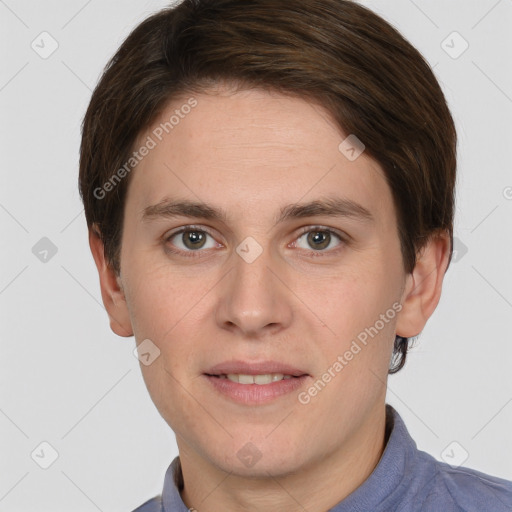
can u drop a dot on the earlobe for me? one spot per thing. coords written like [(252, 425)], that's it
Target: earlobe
[(423, 286), (112, 293)]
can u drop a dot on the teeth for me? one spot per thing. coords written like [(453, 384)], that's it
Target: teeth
[(245, 379), (257, 379)]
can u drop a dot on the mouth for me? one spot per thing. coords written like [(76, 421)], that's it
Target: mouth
[(255, 383), (236, 367), (260, 379)]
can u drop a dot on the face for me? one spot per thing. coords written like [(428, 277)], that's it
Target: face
[(253, 247)]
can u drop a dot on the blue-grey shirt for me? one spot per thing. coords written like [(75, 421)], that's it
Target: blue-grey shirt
[(405, 480)]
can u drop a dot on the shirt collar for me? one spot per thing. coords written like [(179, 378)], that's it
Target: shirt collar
[(173, 484), (390, 481)]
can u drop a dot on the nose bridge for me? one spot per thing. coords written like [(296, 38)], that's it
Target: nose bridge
[(253, 298)]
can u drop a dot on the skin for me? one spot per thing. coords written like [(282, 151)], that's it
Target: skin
[(252, 152)]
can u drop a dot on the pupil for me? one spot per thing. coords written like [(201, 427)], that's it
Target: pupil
[(320, 239), (194, 238)]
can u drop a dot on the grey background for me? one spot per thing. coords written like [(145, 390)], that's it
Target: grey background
[(66, 379)]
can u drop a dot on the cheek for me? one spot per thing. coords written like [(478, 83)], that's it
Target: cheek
[(353, 300), (162, 310), (166, 307), (360, 310), (159, 299)]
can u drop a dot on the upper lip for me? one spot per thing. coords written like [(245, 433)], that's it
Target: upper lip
[(255, 368)]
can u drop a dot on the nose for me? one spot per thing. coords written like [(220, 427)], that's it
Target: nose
[(254, 300)]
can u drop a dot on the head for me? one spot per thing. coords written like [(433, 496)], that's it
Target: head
[(253, 122)]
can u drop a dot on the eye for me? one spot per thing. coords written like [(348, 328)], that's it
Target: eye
[(319, 239), (190, 239)]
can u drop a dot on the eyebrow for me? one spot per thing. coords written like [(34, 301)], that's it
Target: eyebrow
[(329, 207)]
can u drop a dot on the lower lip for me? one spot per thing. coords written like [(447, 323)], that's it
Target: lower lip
[(253, 394)]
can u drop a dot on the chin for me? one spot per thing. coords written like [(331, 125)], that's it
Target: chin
[(253, 459)]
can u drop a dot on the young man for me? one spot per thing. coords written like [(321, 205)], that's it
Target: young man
[(269, 189)]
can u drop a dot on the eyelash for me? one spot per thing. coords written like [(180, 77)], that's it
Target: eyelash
[(197, 254)]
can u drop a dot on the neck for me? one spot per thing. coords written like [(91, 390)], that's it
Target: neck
[(316, 486)]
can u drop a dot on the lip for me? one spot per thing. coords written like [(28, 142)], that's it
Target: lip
[(255, 394), (256, 368)]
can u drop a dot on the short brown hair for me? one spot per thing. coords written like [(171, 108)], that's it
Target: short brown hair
[(338, 53)]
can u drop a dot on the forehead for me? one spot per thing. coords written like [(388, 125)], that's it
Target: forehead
[(252, 151)]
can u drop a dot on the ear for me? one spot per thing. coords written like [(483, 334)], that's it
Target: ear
[(423, 285), (111, 291)]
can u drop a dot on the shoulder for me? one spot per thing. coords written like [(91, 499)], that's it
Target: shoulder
[(153, 505), (466, 490)]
